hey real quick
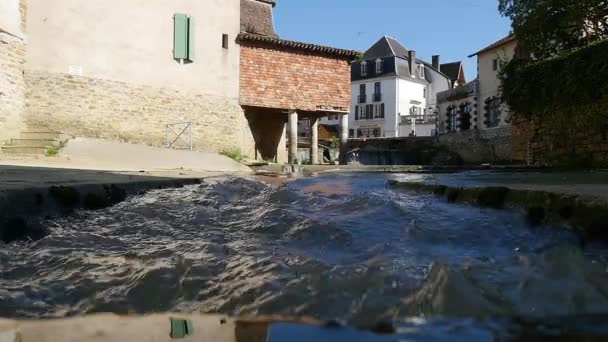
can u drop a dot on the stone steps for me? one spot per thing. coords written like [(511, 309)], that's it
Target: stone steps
[(37, 150), (40, 134), (33, 141)]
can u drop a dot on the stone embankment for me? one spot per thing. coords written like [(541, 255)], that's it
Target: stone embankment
[(586, 214), (30, 194)]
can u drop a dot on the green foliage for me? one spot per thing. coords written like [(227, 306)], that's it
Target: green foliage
[(233, 153), (548, 28), (571, 81), (53, 151), (459, 95), (335, 143)]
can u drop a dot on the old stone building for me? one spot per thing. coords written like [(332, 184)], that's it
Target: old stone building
[(283, 81), (129, 72), (12, 61)]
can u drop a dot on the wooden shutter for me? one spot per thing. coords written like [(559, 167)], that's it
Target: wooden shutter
[(180, 36), (191, 39)]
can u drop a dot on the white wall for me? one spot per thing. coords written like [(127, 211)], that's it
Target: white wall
[(389, 98), (410, 94), (10, 17), (132, 41)]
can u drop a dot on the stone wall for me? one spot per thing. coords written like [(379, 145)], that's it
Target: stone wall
[(574, 138), (274, 77), (99, 108), (480, 146), (12, 86), (467, 147)]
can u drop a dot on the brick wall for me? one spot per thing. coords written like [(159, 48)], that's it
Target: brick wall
[(577, 137), (12, 86), (116, 110), (288, 79)]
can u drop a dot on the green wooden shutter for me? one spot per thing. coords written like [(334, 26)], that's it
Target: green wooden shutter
[(191, 39), (180, 36)]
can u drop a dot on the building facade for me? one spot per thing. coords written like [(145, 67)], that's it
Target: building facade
[(477, 105), (129, 73), (394, 93)]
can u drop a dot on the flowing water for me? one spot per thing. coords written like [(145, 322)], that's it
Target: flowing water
[(341, 246)]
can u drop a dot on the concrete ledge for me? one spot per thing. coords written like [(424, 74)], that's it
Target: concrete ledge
[(585, 214), (41, 192)]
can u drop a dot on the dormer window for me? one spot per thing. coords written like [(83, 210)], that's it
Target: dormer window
[(363, 68), (421, 72), (379, 66)]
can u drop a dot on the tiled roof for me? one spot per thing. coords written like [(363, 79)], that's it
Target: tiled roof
[(328, 50), (496, 44), (272, 2)]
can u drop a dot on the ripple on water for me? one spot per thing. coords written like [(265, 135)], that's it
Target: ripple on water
[(340, 246)]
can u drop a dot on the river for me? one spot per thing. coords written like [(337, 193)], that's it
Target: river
[(339, 246)]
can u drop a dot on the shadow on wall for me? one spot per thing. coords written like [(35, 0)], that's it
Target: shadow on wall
[(267, 127)]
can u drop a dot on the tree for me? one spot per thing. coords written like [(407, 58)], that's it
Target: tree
[(547, 28)]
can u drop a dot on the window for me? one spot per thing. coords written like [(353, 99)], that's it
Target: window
[(424, 92), (451, 122), (421, 71), (183, 38), (465, 116), (362, 93), (225, 41), (379, 66), (495, 64), (492, 112), (351, 133), (377, 92), (363, 68)]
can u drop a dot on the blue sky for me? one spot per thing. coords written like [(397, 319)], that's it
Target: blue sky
[(450, 28)]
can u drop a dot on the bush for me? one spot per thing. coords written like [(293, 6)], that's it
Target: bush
[(233, 153)]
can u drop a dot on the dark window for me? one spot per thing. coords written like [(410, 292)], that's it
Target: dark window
[(356, 112), (362, 93), (225, 41), (364, 69), (492, 112), (351, 133), (377, 92), (382, 110), (495, 64)]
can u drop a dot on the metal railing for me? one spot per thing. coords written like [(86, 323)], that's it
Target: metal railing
[(172, 131), (420, 119), (362, 98), (377, 97)]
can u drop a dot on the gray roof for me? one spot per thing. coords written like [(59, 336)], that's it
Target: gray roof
[(452, 70), (385, 47)]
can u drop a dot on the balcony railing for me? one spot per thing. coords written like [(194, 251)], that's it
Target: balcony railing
[(377, 97), (362, 98), (420, 119)]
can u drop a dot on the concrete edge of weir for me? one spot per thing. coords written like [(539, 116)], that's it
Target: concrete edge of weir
[(587, 215), (21, 209)]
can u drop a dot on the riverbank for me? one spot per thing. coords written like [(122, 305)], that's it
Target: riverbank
[(576, 200)]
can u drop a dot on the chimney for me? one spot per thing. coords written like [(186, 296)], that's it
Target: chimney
[(412, 57), (257, 17), (436, 62)]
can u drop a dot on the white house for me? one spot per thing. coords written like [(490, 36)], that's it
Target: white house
[(394, 93)]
